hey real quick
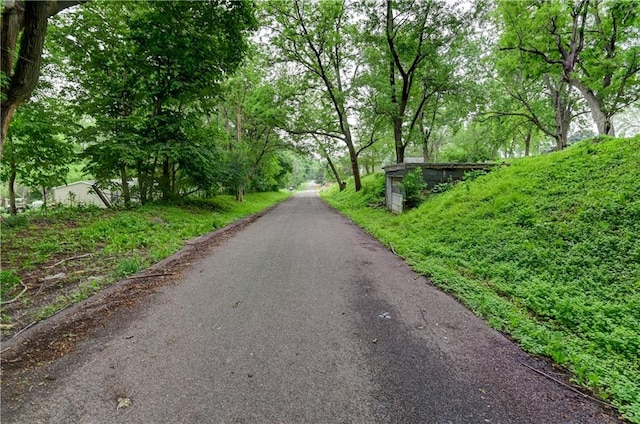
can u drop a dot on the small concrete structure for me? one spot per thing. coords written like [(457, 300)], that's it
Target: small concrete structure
[(81, 193), (432, 174)]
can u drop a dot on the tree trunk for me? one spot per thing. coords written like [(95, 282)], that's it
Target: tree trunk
[(398, 105), (603, 121), (563, 121), (44, 196), (12, 191), (174, 179), (355, 168), (398, 116), (527, 143), (165, 180), (12, 20), (397, 136), (563, 104), (426, 149), (348, 140), (142, 183), (239, 189), (396, 120), (24, 77), (562, 130), (101, 195), (30, 18), (239, 123), (142, 187), (6, 114), (126, 194), (335, 172)]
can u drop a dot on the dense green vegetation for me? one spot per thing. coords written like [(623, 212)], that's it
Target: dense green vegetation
[(221, 97), (108, 243), (545, 249)]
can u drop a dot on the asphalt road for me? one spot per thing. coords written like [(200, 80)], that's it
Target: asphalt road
[(301, 318)]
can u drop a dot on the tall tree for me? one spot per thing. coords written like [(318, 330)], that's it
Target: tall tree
[(411, 49), (592, 43), (315, 39), (535, 94), (251, 108), (188, 50), (147, 73), (418, 35)]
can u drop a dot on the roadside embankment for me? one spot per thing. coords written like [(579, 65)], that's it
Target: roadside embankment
[(546, 250)]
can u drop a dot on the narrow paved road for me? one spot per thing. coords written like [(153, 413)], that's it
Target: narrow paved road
[(301, 318)]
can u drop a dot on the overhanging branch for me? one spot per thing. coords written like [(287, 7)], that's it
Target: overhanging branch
[(315, 132)]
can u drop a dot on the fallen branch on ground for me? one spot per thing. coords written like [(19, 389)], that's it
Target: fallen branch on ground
[(149, 275), (562, 383), (69, 259), (25, 328), (18, 296)]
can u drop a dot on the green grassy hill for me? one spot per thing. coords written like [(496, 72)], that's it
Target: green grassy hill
[(546, 250)]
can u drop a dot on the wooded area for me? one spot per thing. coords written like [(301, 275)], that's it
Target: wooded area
[(171, 99)]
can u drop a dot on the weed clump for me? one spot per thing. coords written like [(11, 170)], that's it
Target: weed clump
[(9, 280), (14, 221)]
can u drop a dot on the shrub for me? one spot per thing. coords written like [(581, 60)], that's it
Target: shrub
[(442, 187), (414, 187)]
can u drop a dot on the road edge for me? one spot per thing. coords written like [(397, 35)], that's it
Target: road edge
[(46, 341)]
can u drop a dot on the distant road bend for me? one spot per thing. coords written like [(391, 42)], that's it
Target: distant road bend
[(300, 318)]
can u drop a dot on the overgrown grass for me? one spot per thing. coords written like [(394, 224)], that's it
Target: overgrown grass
[(120, 242), (546, 249), (9, 281)]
